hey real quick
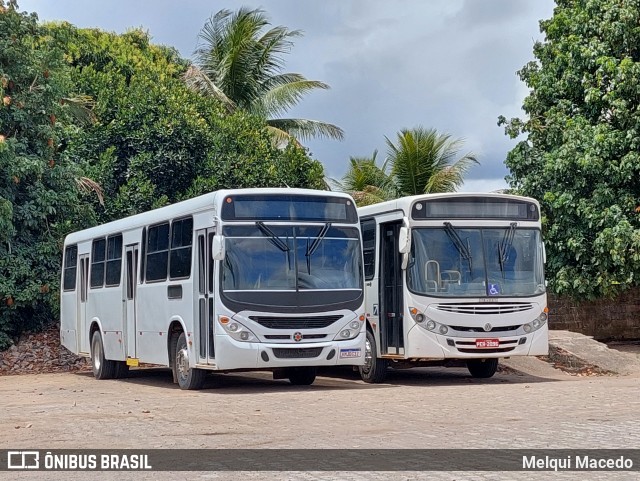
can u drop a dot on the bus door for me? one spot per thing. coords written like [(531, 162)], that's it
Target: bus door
[(391, 305), (206, 278), (83, 285), (129, 296)]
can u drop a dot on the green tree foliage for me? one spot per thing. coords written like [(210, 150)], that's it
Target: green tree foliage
[(80, 106), (154, 140), (239, 62), (39, 196), (422, 161), (581, 157), (367, 182)]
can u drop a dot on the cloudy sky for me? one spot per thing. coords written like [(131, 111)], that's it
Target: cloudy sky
[(391, 64)]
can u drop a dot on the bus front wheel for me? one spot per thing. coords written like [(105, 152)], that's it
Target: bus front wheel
[(102, 367), (482, 368), (302, 376), (374, 369), (188, 377)]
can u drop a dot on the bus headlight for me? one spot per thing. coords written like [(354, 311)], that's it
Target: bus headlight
[(434, 326), (416, 315), (350, 330), (237, 330), (537, 323)]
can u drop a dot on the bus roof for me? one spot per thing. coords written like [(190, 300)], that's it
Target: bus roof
[(405, 203), (186, 207)]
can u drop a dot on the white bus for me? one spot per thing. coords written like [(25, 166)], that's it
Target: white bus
[(247, 279), (453, 278)]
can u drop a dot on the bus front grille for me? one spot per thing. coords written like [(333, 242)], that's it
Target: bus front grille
[(283, 337), (296, 353), (309, 322), (481, 329), (491, 309)]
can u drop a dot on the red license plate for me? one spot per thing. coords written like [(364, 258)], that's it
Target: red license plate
[(487, 343)]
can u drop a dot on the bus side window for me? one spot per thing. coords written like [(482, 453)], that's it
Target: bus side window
[(114, 260), (70, 267), (98, 250), (157, 256), (369, 247), (181, 241)]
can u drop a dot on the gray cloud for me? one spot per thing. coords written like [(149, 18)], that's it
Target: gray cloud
[(446, 64)]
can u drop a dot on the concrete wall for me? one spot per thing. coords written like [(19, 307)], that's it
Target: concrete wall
[(604, 319)]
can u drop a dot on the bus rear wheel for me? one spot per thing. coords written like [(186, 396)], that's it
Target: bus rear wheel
[(482, 368), (302, 376), (102, 367), (121, 370), (188, 377), (374, 369)]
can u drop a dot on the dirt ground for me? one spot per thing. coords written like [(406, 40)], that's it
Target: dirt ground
[(417, 408)]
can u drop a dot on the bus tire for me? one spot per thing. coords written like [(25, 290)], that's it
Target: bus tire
[(302, 376), (121, 370), (374, 369), (103, 368), (482, 368), (189, 378)]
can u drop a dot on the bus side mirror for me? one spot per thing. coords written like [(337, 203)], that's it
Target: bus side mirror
[(404, 243), (544, 254), (404, 240), (217, 248)]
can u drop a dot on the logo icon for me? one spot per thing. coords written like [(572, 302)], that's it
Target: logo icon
[(488, 327), (494, 289), (23, 459), (297, 336)]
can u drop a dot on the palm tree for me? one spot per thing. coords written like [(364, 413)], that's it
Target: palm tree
[(367, 182), (424, 161), (240, 63)]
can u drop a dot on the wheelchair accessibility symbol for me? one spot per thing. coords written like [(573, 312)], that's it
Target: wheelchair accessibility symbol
[(494, 289)]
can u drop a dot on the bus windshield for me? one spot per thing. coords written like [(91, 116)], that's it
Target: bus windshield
[(476, 262), (267, 257)]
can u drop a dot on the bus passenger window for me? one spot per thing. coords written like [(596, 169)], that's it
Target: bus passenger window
[(157, 258), (180, 256), (97, 263), (114, 260), (369, 248), (70, 267)]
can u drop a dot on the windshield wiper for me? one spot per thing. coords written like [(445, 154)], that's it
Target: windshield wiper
[(314, 245), (464, 250), (505, 246), (275, 240)]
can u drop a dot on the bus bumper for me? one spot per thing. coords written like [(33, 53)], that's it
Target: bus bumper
[(232, 354), (428, 345)]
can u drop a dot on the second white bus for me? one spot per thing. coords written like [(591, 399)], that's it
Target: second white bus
[(453, 278)]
